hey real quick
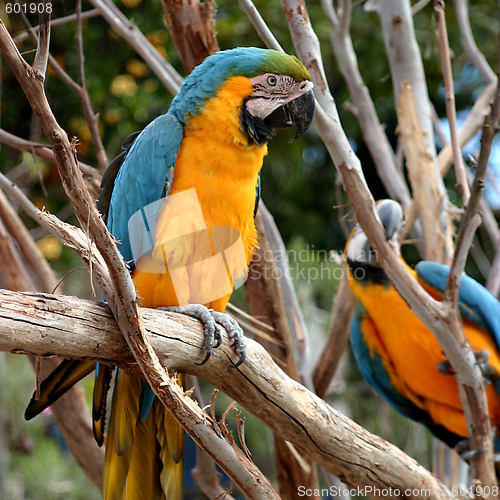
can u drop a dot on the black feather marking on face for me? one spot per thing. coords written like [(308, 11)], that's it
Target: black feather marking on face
[(254, 128), (363, 272)]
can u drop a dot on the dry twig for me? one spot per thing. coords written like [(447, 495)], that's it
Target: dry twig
[(444, 52)]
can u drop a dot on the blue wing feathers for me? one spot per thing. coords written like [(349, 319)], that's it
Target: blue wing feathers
[(373, 370), (143, 175), (476, 303)]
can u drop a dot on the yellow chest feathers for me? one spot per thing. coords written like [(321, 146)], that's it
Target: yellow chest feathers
[(217, 160)]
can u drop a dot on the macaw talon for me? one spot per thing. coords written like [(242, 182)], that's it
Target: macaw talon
[(213, 337), (445, 367), (205, 315), (481, 360), (235, 333), (466, 454)]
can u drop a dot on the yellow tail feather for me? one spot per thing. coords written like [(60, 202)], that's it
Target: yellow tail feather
[(143, 478), (126, 393), (172, 474), (144, 460), (115, 467)]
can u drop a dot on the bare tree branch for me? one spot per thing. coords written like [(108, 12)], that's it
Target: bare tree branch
[(405, 62), (81, 329), (444, 53), (421, 4), (296, 321), (338, 336), (41, 150), (470, 127), (493, 281), (131, 33), (461, 8), (44, 273), (191, 25), (57, 22), (79, 90), (421, 171), (91, 118), (204, 472), (42, 50), (263, 30), (373, 132)]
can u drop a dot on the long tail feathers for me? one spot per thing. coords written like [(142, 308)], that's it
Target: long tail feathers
[(172, 443), (126, 394), (103, 376), (143, 478), (115, 467), (63, 378), (144, 458)]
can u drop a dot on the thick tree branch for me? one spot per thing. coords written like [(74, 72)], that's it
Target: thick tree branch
[(191, 25), (52, 324), (373, 132), (405, 63)]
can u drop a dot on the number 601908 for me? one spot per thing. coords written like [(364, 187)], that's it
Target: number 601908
[(28, 8)]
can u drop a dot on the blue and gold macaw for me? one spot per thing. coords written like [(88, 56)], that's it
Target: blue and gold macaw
[(396, 353), (180, 201)]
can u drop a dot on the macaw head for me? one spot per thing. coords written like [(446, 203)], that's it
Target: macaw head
[(359, 252), (269, 90)]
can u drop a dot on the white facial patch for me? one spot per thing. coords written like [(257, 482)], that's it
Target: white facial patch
[(261, 107), (271, 91)]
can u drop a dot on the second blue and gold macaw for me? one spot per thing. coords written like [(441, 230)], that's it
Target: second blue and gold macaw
[(209, 148), (396, 353)]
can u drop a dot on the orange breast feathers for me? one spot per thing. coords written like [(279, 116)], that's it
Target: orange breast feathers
[(205, 234), (414, 353)]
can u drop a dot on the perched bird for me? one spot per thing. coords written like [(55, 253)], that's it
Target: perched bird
[(398, 356), (180, 201)]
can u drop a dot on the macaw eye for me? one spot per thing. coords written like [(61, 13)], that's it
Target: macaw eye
[(271, 80)]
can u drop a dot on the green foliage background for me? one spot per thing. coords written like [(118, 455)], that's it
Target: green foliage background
[(298, 188)]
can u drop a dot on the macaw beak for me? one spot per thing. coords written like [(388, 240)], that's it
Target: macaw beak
[(298, 113), (391, 216)]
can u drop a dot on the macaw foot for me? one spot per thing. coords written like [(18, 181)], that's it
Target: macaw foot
[(481, 359), (210, 320), (466, 454)]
